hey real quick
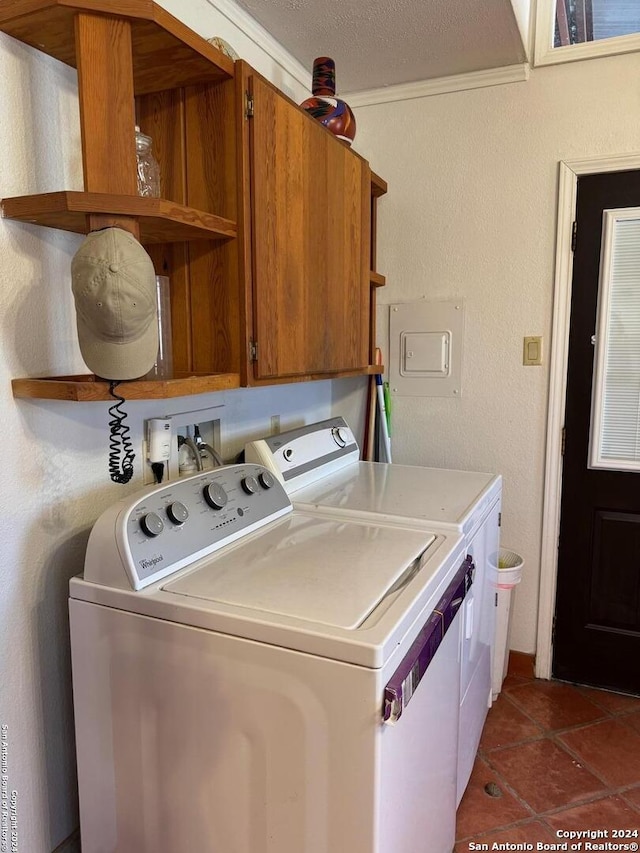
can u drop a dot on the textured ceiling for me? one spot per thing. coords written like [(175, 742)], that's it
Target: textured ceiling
[(379, 43)]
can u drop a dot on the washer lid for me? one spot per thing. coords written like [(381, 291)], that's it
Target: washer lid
[(326, 571)]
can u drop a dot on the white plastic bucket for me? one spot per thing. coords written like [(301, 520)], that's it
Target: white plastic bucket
[(509, 568), (507, 571)]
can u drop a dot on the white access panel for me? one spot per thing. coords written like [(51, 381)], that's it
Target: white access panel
[(425, 349)]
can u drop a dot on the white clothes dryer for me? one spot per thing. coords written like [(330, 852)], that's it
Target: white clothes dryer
[(320, 468), (254, 678)]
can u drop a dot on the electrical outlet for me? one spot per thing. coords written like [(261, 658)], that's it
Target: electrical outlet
[(148, 477), (156, 447), (275, 424)]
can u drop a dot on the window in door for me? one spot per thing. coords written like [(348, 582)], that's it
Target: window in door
[(615, 418)]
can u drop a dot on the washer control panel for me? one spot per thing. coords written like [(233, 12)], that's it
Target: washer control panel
[(170, 526)]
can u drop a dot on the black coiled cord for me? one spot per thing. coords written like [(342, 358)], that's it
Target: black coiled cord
[(121, 453)]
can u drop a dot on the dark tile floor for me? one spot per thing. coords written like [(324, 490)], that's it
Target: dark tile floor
[(561, 757)]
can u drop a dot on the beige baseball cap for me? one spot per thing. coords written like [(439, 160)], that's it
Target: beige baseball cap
[(114, 286)]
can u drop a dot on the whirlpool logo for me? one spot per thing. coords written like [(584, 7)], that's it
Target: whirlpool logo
[(151, 562)]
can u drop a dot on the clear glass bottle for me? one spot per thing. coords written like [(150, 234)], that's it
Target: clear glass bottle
[(147, 165)]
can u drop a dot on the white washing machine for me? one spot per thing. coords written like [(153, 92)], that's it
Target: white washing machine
[(319, 467), (252, 678)]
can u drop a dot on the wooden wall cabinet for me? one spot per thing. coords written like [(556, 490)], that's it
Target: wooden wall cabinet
[(307, 233), (301, 278), (266, 226)]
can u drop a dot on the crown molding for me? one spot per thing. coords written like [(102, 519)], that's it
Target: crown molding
[(440, 85), (263, 39)]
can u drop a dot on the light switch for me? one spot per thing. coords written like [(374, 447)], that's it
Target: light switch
[(532, 351)]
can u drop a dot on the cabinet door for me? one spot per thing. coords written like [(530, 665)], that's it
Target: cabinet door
[(310, 243)]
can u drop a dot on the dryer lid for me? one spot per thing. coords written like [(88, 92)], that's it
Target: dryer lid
[(413, 493), (327, 571)]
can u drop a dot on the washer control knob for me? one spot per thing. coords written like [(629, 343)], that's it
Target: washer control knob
[(151, 524), (339, 436), (288, 454), (177, 512), (250, 485), (215, 496), (266, 480)]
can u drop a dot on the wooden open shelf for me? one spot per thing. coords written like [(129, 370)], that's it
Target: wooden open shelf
[(160, 220), (89, 388), (378, 185), (376, 279), (166, 53)]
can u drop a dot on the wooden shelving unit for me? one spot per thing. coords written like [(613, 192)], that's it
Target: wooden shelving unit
[(378, 185), (137, 64), (159, 220), (166, 53), (126, 50), (376, 280), (90, 389)]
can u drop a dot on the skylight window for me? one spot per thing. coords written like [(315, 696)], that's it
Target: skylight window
[(580, 29), (579, 21)]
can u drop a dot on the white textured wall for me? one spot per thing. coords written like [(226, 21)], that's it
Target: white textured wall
[(55, 482), (471, 213)]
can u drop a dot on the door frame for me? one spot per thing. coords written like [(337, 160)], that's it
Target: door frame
[(569, 172)]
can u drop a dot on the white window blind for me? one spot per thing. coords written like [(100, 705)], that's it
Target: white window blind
[(619, 18), (615, 419)]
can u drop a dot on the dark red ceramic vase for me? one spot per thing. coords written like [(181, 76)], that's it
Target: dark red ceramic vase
[(332, 112)]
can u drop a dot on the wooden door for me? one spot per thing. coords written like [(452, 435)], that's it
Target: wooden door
[(310, 222), (597, 627)]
